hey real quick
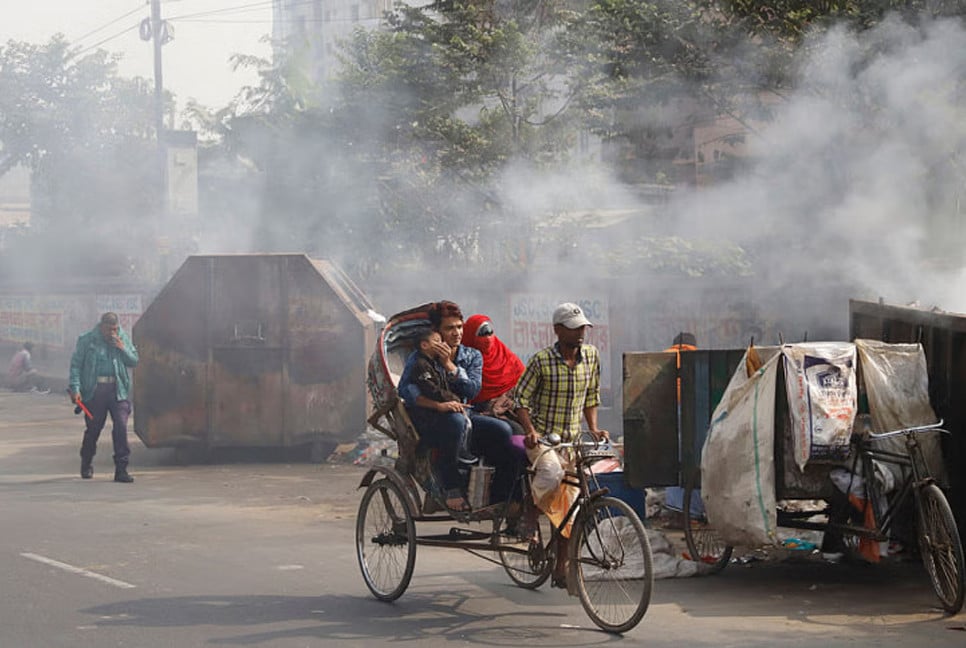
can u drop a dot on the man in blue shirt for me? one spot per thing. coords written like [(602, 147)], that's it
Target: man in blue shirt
[(99, 380)]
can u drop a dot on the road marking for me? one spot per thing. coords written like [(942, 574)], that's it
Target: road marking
[(78, 570)]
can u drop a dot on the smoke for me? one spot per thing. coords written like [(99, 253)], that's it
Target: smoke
[(851, 188), (858, 179)]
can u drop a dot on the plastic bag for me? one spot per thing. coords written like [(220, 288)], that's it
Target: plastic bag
[(548, 473)]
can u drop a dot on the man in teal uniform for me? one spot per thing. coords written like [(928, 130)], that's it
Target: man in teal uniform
[(99, 379)]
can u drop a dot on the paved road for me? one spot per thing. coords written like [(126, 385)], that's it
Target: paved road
[(261, 554)]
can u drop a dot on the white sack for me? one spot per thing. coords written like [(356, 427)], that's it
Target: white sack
[(821, 386), (897, 384), (737, 461)]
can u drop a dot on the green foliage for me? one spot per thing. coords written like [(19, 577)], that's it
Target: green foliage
[(443, 102), (407, 155), (87, 136), (793, 19), (473, 86)]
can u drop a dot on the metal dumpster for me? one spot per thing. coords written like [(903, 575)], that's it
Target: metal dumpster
[(264, 350), (943, 338), (659, 450)]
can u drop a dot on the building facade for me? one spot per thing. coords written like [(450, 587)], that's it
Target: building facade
[(313, 29)]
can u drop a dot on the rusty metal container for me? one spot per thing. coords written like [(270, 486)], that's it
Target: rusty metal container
[(265, 350), (662, 440), (943, 338)]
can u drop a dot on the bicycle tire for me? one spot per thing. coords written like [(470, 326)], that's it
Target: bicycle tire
[(385, 540), (528, 570), (611, 561), (704, 544), (941, 547)]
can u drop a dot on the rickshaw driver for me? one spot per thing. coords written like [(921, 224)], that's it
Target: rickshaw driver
[(561, 383)]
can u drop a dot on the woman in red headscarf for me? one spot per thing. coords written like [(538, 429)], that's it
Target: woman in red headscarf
[(501, 367)]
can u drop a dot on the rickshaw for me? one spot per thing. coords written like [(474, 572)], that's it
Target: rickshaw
[(610, 564), (893, 456)]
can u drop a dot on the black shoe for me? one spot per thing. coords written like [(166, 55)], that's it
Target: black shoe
[(122, 477), (87, 471)]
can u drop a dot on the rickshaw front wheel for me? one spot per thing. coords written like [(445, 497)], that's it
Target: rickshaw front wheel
[(611, 559), (385, 540)]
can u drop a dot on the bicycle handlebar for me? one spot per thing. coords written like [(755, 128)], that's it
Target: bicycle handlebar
[(932, 427), (553, 440)]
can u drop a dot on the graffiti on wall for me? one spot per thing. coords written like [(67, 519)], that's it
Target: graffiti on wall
[(28, 318), (531, 327), (55, 321)]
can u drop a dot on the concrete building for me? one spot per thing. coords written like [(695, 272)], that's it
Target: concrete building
[(313, 29)]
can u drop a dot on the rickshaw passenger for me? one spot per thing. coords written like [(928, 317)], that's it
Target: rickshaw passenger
[(438, 414), (490, 437), (501, 372), (561, 383)]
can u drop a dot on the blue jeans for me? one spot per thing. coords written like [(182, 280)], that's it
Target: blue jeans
[(444, 432), (491, 440)]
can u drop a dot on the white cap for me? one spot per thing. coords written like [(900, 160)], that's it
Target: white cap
[(570, 315)]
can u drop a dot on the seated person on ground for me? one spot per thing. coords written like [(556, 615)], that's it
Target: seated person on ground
[(21, 375), (438, 414)]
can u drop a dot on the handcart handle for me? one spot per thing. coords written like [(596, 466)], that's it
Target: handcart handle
[(932, 427)]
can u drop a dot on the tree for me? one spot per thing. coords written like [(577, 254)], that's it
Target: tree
[(287, 169), (86, 135)]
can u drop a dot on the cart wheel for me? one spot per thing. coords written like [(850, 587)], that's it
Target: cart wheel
[(525, 550), (385, 540), (611, 560), (704, 544), (942, 551)]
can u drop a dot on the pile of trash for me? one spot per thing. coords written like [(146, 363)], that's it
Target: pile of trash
[(372, 448)]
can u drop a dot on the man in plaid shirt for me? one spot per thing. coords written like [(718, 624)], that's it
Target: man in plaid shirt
[(560, 385)]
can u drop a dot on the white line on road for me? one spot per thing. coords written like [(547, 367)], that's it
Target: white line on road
[(78, 570)]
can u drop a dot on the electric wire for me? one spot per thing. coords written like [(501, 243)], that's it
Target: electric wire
[(252, 6), (310, 21), (108, 24), (106, 40), (198, 17)]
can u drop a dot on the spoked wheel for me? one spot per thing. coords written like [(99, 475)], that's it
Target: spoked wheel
[(525, 549), (385, 540), (611, 559), (942, 551), (704, 544)]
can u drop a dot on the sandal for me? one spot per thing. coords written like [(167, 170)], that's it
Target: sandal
[(458, 504), (455, 501)]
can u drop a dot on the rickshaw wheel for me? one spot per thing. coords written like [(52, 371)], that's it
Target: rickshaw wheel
[(704, 544), (941, 548), (531, 569), (611, 560), (385, 540)]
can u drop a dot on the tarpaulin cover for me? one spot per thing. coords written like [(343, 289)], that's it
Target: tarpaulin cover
[(897, 384)]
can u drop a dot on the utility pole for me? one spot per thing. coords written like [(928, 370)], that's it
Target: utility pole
[(156, 27), (157, 38)]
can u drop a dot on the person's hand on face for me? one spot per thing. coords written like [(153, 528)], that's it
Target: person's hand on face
[(441, 350), (111, 335)]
